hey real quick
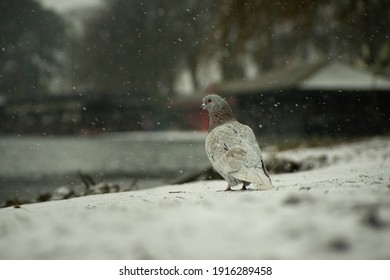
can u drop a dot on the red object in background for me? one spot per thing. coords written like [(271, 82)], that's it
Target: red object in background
[(197, 119)]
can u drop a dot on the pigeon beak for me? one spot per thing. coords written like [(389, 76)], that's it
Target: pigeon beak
[(202, 107)]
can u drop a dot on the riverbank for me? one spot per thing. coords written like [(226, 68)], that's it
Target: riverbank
[(337, 211)]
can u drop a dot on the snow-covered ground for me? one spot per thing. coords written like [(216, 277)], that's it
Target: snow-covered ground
[(340, 211)]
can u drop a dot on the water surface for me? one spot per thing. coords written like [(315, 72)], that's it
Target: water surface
[(31, 165)]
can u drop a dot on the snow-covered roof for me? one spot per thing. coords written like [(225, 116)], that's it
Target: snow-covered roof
[(337, 75), (278, 79), (322, 75)]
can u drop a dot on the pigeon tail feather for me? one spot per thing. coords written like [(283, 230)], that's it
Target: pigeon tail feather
[(231, 163), (254, 176)]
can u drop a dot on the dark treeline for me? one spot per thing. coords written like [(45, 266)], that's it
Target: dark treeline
[(141, 47), (30, 39)]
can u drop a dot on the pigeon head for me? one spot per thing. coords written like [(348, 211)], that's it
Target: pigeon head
[(219, 110), (213, 102)]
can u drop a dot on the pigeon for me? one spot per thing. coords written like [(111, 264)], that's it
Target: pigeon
[(232, 147)]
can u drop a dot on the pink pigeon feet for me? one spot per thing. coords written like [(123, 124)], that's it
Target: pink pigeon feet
[(229, 188)]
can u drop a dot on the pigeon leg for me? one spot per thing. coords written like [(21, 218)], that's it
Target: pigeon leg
[(228, 189), (244, 184)]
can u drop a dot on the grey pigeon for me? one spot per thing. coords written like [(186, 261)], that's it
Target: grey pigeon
[(232, 147)]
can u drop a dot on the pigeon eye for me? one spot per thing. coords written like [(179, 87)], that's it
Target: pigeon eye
[(209, 100)]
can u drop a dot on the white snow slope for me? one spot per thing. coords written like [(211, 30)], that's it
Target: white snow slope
[(341, 211)]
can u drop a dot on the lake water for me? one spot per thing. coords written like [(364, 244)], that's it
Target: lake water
[(31, 165)]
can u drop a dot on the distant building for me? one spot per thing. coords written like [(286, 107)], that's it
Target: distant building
[(326, 98), (82, 113), (188, 114)]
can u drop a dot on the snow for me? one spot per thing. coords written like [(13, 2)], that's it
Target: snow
[(64, 6), (337, 75), (340, 211)]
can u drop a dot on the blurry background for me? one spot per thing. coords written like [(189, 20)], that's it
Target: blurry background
[(77, 76)]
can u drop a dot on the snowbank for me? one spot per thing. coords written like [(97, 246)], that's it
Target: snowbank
[(341, 211)]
